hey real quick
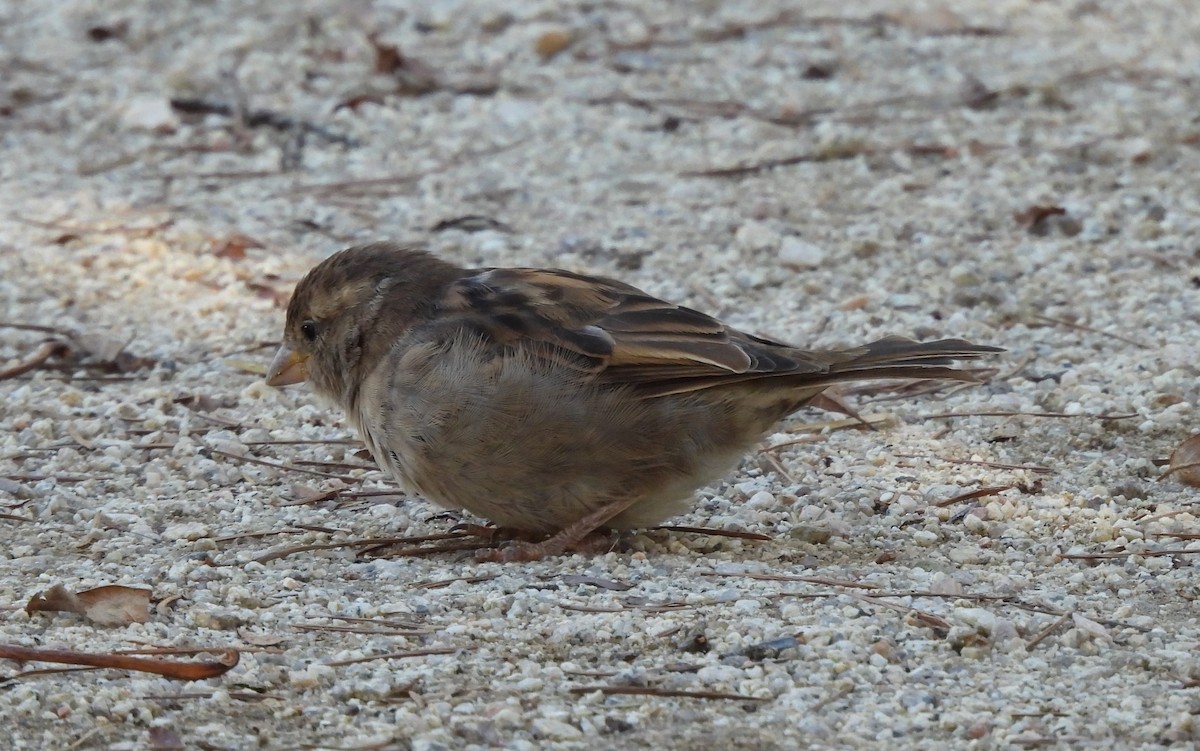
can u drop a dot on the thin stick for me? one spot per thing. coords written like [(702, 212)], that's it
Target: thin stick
[(1044, 633), (944, 415), (184, 671), (272, 555), (1127, 553), (285, 467), (1092, 330), (793, 578), (973, 494), (651, 691), (35, 327), (382, 182), (395, 656), (52, 348), (330, 442), (738, 534), (925, 617), (978, 463)]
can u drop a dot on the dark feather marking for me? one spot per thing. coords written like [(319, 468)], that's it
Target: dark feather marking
[(513, 321)]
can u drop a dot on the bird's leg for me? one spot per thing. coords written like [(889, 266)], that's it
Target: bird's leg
[(565, 539), (485, 532)]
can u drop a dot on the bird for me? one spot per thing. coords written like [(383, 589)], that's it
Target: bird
[(554, 404)]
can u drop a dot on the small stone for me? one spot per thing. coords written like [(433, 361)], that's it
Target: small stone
[(925, 538), (152, 113), (965, 554), (761, 500), (556, 730), (552, 42), (800, 254), (191, 531), (756, 236), (810, 534)]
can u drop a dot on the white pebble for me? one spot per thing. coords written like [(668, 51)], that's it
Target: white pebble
[(799, 253)]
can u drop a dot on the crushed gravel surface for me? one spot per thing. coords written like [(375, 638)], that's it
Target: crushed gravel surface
[(991, 567)]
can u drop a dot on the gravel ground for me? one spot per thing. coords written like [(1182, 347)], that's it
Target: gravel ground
[(1018, 173)]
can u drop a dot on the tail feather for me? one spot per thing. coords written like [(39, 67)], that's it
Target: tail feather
[(811, 372), (899, 357)]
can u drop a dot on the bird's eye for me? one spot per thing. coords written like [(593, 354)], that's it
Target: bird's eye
[(309, 330)]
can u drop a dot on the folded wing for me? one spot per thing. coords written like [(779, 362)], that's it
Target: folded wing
[(617, 333)]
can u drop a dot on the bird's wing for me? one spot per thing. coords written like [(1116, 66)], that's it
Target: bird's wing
[(613, 331)]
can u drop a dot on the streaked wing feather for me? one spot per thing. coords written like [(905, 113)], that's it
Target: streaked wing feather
[(618, 333), (614, 324)]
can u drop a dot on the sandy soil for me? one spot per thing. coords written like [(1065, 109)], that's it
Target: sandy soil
[(1019, 173)]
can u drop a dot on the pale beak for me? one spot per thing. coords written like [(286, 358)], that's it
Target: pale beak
[(288, 367)]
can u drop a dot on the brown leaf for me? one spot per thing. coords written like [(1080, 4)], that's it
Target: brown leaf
[(111, 605), (1040, 220), (387, 56), (413, 76), (1035, 215), (235, 246), (1185, 462), (355, 101), (267, 292)]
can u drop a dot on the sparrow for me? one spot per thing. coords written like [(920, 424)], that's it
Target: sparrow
[(552, 403)]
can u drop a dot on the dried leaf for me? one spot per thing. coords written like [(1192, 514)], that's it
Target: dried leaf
[(268, 292), (413, 76), (111, 605), (387, 56), (235, 246), (1040, 220), (1185, 462), (354, 101)]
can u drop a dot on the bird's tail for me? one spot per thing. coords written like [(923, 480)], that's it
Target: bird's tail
[(899, 357)]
